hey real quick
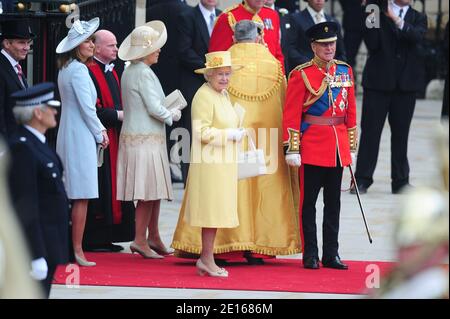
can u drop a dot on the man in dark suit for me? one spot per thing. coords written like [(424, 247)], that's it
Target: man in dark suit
[(36, 185), (391, 78), (353, 24), (194, 31), (299, 47), (15, 41)]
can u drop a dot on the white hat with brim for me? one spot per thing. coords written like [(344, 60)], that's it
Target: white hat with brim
[(78, 33), (216, 60), (143, 40)]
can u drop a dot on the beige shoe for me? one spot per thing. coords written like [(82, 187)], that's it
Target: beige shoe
[(84, 262), (152, 255), (203, 270)]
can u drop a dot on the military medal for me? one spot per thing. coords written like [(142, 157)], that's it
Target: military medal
[(268, 23)]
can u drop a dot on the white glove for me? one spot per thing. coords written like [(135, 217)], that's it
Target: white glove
[(176, 115), (353, 155), (39, 269), (294, 160), (235, 134)]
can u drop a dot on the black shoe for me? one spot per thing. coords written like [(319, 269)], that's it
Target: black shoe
[(361, 187), (254, 261), (402, 189), (105, 248), (311, 263), (335, 263)]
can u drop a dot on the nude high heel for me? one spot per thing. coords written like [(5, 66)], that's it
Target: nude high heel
[(84, 262), (202, 270), (135, 249)]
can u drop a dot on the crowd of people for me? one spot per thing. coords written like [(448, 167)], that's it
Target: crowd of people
[(245, 70)]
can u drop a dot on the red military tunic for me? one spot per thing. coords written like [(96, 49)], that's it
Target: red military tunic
[(222, 35), (309, 92)]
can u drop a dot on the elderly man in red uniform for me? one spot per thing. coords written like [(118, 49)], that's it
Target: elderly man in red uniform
[(319, 134), (222, 35)]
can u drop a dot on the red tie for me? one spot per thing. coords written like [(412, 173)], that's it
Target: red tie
[(19, 72)]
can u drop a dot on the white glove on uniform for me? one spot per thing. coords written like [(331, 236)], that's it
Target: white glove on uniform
[(353, 155), (39, 269), (176, 115), (235, 134), (294, 160)]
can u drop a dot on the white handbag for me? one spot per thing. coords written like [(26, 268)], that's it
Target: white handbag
[(252, 162)]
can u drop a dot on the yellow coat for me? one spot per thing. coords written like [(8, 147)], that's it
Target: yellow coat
[(210, 199), (267, 205)]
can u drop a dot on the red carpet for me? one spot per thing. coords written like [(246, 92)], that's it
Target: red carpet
[(118, 269)]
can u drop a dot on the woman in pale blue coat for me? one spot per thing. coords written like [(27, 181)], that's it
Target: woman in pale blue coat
[(80, 130), (143, 173)]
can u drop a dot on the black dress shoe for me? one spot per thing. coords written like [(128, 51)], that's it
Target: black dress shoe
[(335, 263), (311, 263), (361, 187), (221, 262), (254, 261), (402, 189)]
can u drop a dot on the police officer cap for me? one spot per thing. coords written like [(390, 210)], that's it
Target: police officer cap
[(42, 93), (323, 32)]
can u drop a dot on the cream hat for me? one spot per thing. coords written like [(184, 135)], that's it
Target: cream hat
[(78, 33), (218, 59), (143, 41)]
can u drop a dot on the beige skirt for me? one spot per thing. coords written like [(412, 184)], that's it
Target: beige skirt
[(143, 171)]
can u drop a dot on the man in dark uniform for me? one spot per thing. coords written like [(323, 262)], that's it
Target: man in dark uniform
[(108, 220), (319, 134), (299, 47), (391, 78), (36, 185), (194, 31), (15, 41)]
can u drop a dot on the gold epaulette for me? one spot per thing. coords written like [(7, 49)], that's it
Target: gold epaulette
[(300, 67), (342, 62)]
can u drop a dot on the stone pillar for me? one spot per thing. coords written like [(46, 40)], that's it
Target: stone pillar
[(140, 12)]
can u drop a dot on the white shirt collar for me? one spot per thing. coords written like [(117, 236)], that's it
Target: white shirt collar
[(36, 133), (100, 60), (313, 14), (397, 9), (272, 6), (10, 59), (206, 13)]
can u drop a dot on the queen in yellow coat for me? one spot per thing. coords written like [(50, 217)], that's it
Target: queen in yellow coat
[(210, 198), (267, 205)]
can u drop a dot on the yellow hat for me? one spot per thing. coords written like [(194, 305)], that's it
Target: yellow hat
[(218, 59)]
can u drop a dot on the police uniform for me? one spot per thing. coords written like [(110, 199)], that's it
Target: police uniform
[(222, 35), (319, 122), (37, 189)]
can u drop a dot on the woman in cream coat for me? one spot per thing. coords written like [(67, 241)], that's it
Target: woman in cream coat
[(143, 173), (210, 199), (80, 130)]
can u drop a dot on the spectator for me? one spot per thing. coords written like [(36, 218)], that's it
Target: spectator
[(108, 219), (391, 79), (299, 45), (194, 31), (80, 129), (15, 40), (143, 173)]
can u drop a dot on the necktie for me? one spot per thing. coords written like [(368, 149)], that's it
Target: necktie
[(318, 17), (400, 15), (19, 73), (212, 17), (109, 67)]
